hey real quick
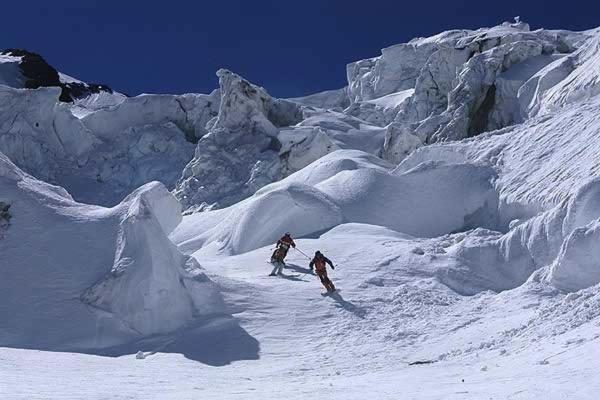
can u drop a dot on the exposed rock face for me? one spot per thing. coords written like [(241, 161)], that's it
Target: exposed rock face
[(38, 73), (98, 144)]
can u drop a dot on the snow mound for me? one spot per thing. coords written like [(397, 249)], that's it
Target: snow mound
[(260, 220), (274, 209), (349, 186), (306, 211), (93, 277), (428, 201), (576, 267)]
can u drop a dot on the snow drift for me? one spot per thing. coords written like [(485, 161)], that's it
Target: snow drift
[(350, 186), (454, 181), (79, 277)]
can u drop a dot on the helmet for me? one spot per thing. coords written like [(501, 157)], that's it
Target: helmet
[(287, 234), (318, 253)]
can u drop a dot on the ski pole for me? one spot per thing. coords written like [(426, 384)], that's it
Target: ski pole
[(301, 252)]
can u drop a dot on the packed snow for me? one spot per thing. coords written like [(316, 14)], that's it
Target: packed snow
[(453, 183)]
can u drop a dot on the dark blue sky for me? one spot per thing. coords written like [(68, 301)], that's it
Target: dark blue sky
[(289, 47)]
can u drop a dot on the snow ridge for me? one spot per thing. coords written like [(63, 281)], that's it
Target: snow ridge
[(454, 182)]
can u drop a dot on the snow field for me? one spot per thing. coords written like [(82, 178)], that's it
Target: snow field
[(94, 277), (453, 182)]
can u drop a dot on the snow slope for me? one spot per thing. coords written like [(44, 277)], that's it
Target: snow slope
[(391, 310), (453, 182), (81, 277), (350, 186)]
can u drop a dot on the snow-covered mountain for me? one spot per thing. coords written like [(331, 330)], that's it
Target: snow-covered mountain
[(454, 182)]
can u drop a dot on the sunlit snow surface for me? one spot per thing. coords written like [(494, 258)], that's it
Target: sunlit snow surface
[(466, 269)]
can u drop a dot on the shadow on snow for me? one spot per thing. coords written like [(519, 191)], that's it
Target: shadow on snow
[(346, 305), (216, 342), (297, 268)]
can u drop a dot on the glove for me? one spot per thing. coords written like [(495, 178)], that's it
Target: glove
[(332, 267)]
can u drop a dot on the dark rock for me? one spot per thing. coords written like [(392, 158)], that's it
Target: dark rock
[(39, 73)]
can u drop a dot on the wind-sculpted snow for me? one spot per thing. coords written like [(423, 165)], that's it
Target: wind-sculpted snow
[(429, 201), (151, 287), (576, 267), (79, 277), (547, 188), (541, 162), (345, 186), (454, 183), (562, 237)]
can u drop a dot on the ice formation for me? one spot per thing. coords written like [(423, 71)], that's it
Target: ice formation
[(454, 181), (88, 277)]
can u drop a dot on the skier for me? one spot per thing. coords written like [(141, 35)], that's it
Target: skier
[(319, 262), (283, 246)]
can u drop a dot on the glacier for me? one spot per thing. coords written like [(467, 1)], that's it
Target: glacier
[(453, 181)]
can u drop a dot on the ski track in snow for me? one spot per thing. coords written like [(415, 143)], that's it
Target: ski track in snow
[(347, 345), (453, 182)]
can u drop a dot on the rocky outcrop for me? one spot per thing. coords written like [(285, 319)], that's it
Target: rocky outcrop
[(38, 73)]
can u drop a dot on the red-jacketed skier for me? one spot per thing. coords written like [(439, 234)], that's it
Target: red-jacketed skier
[(319, 262), (278, 257)]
